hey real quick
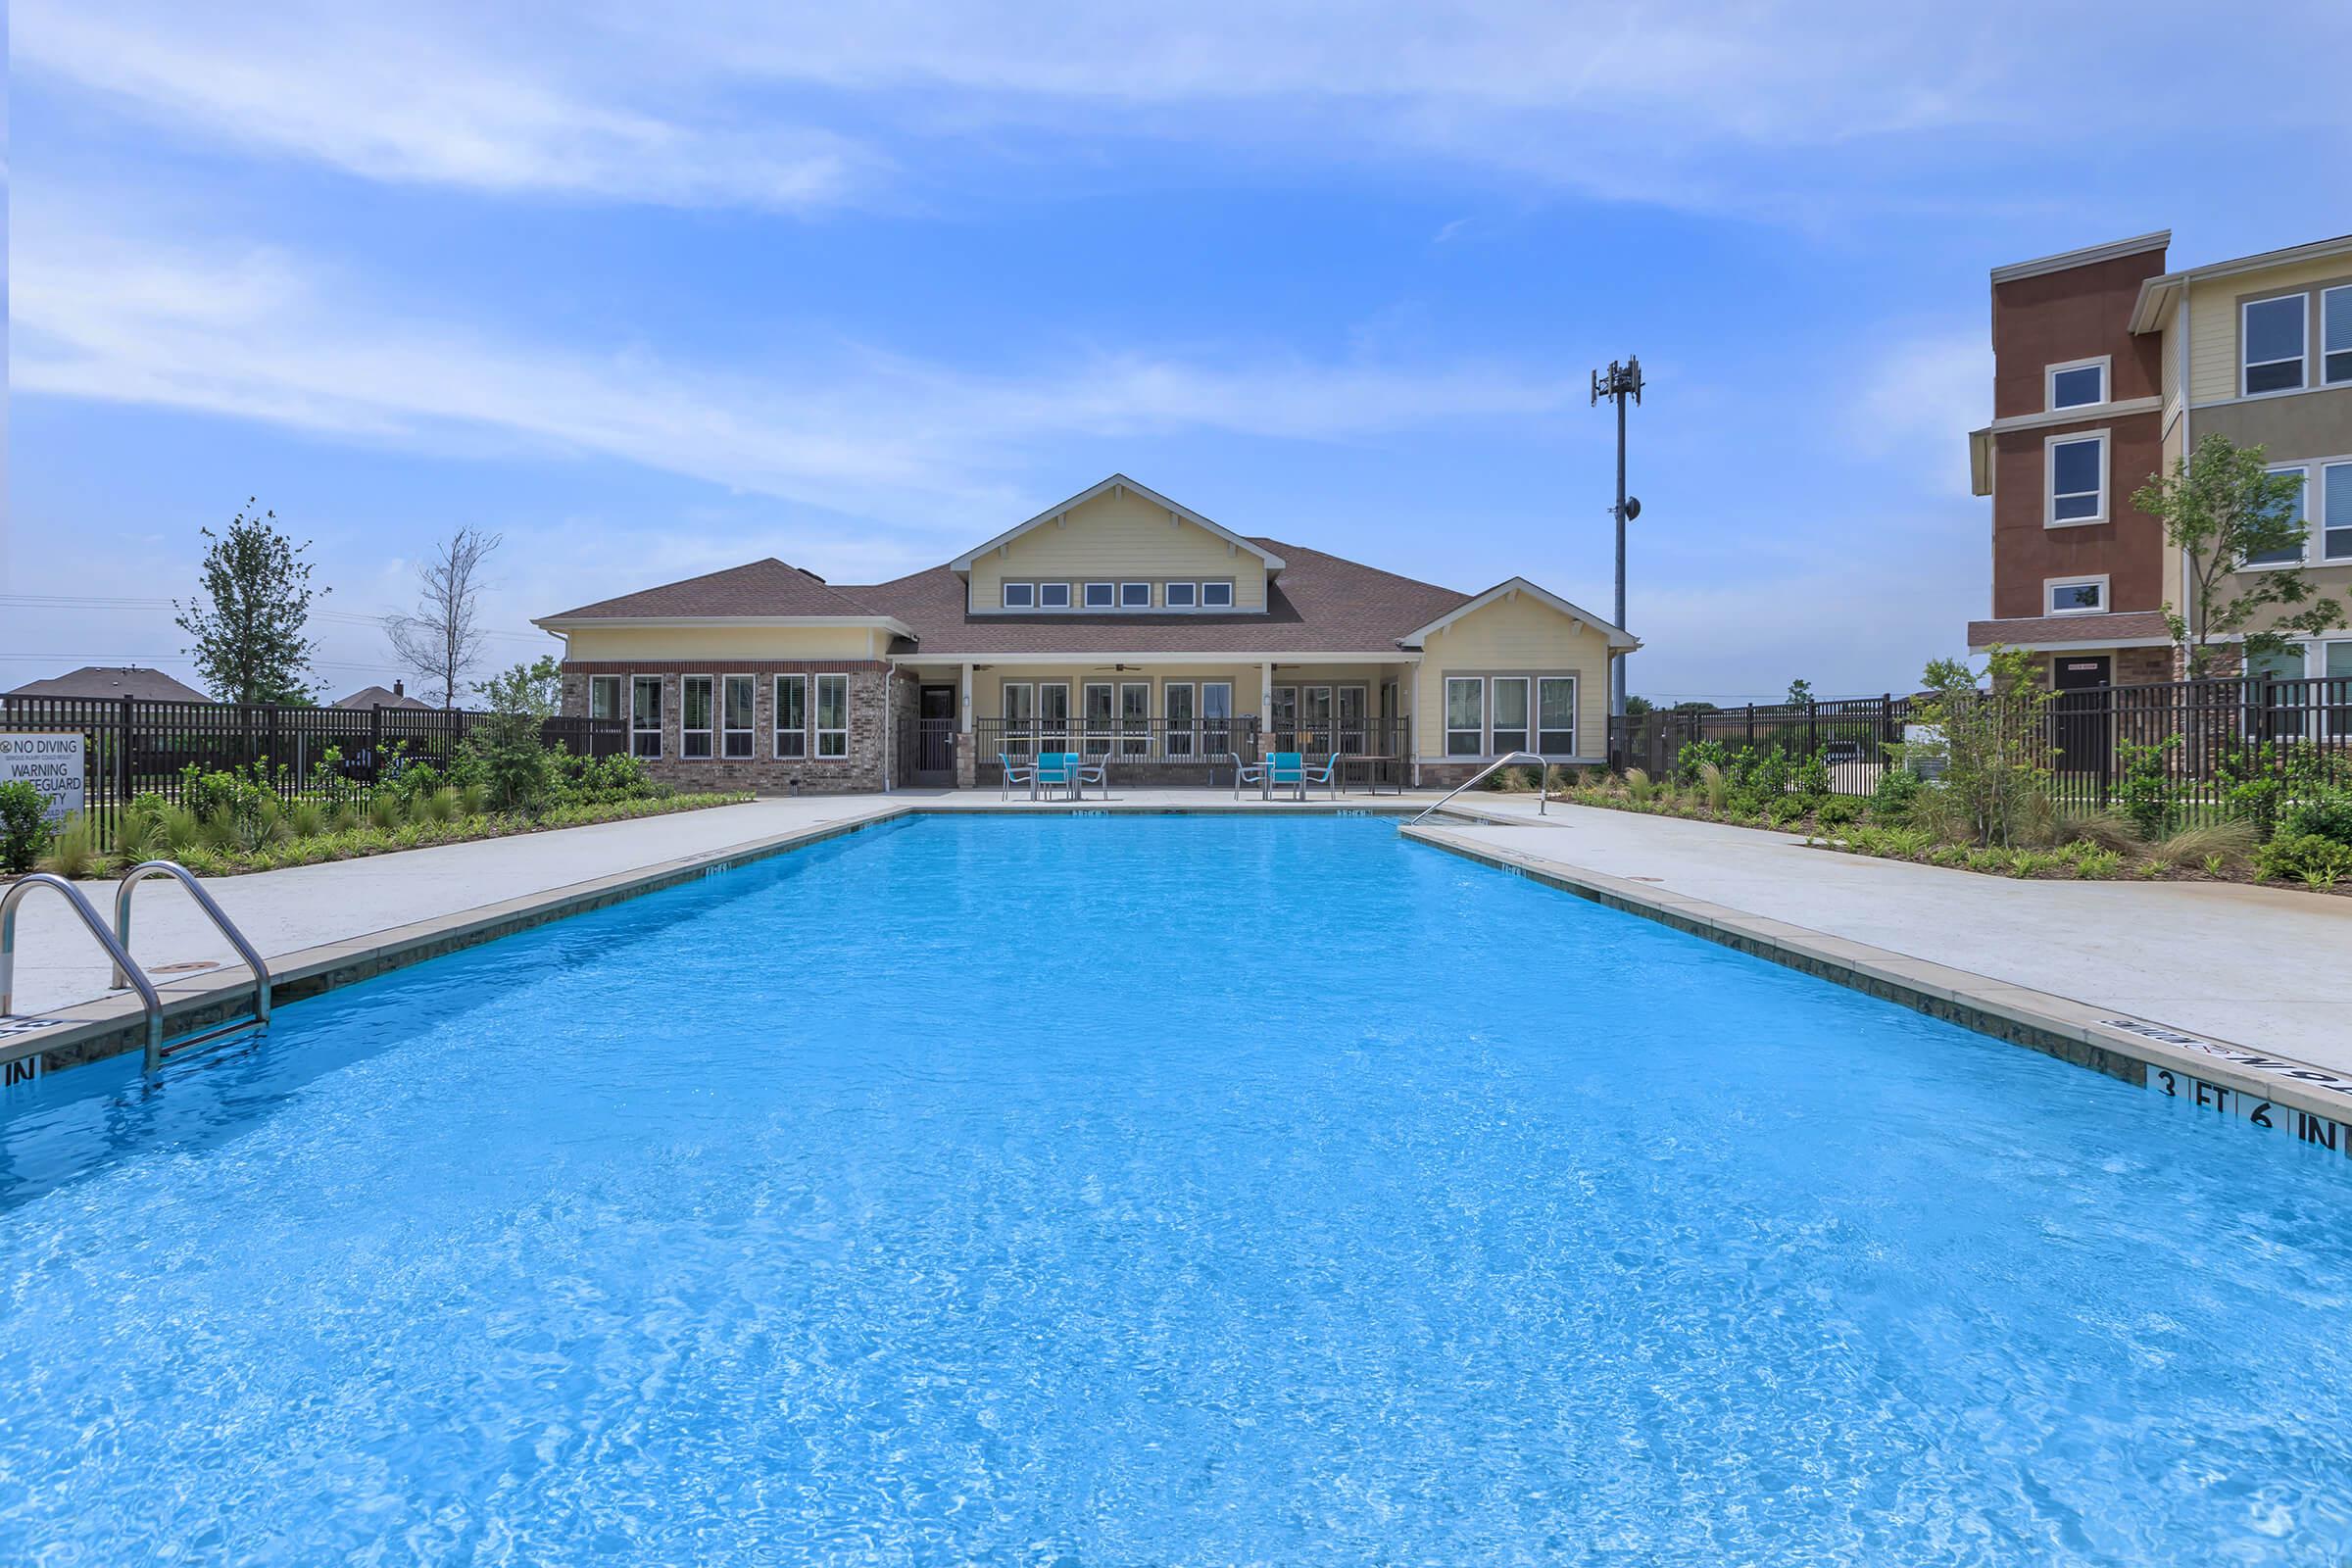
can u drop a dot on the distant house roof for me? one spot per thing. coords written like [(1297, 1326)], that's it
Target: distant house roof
[(759, 590), (378, 697), (100, 680)]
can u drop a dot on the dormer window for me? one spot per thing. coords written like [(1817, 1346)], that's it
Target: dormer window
[(1020, 595), (2077, 384), (1216, 595), (1052, 596), (1102, 596), (1135, 596), (1181, 595)]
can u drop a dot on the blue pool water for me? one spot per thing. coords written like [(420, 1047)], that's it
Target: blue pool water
[(1167, 1191)]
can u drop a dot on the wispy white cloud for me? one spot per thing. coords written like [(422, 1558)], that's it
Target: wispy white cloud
[(258, 333), (1919, 399)]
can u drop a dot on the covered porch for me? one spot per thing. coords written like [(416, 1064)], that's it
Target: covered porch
[(1159, 725)]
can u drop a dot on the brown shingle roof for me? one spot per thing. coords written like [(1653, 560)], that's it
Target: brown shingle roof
[(759, 588), (97, 680), (378, 697), (1321, 603)]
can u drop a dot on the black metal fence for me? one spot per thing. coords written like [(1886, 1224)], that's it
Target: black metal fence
[(1193, 751), (132, 746), (2212, 736)]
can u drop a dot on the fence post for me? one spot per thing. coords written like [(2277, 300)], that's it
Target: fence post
[(375, 740), (1751, 723), (123, 771), (1812, 727)]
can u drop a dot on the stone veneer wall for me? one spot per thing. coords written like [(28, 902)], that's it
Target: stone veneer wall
[(873, 727)]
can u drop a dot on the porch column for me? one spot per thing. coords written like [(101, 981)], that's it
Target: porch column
[(966, 725), (1265, 694), (967, 764)]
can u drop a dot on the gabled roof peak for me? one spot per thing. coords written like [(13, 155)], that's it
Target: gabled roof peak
[(1116, 483)]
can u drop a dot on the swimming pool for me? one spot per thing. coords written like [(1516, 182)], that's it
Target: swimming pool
[(1168, 1190)]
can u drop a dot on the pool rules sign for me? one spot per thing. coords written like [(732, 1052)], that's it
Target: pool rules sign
[(51, 762)]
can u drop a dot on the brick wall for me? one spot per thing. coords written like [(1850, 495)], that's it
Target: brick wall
[(871, 739)]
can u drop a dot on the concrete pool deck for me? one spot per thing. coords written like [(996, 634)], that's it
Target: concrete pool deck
[(2257, 968)]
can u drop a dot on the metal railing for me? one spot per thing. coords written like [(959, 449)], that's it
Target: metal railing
[(148, 998), (212, 912), (1543, 795)]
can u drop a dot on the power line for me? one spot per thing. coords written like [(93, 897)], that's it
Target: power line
[(348, 618)]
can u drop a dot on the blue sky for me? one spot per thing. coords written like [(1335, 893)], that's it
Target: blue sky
[(653, 290)]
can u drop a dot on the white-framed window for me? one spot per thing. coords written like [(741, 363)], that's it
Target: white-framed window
[(2335, 509), (2291, 554), (1465, 716), (2335, 335), (1283, 721), (1176, 707), (694, 718), (1180, 595), (1052, 596), (2074, 595), (832, 716), (1354, 699), (604, 697), (1216, 595), (1135, 596), (1314, 718), (1135, 718), (1102, 596), (1509, 703), (1017, 708), (1020, 595), (2077, 468), (1096, 698), (2076, 383), (1555, 715), (736, 703), (1054, 712), (792, 716), (2270, 340), (645, 715)]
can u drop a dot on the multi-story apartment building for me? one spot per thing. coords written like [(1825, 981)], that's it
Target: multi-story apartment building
[(2107, 367)]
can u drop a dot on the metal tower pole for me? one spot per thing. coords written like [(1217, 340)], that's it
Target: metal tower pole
[(1618, 383)]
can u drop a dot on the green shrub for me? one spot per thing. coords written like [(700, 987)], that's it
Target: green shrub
[(305, 819), (2145, 792), (2308, 857), (1714, 786), (1637, 785), (1897, 796), (1838, 811), (1695, 758), (1787, 809), (24, 831), (2325, 809), (1813, 778), (75, 851), (384, 813)]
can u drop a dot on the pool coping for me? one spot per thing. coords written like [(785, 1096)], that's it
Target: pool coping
[(2210, 1074)]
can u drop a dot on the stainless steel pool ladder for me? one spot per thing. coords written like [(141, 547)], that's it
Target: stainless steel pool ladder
[(1542, 796)]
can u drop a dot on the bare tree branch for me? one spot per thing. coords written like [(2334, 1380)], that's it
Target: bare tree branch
[(443, 640)]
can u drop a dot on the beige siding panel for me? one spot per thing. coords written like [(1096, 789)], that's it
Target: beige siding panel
[(1520, 635), (2213, 319), (623, 642), (1119, 536)]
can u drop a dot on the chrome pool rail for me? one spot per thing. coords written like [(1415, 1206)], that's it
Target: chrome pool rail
[(115, 949), (1542, 796), (212, 912)]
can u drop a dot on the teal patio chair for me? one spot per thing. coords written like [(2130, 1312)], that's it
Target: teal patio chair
[(1246, 773), (1015, 775), (1285, 770), (1328, 776), (1098, 773), (1055, 770)]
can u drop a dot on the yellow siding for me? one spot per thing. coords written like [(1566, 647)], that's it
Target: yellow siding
[(1516, 636), (653, 643), (2213, 319), (1118, 536)]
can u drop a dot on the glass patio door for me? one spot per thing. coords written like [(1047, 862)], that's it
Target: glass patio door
[(1352, 720)]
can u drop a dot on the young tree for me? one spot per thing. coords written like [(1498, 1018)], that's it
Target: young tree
[(249, 614), (1635, 706), (1800, 692), (2222, 509), (1992, 741), (443, 640), (534, 689)]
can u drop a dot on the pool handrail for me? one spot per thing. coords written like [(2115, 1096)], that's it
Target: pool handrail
[(213, 911), (14, 895), (1543, 795)]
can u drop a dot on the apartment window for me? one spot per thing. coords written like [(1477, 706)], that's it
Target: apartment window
[(2078, 384), (792, 716), (1135, 718), (1555, 715), (2290, 554), (1096, 698), (1052, 596), (1465, 716), (1314, 718), (604, 697), (1018, 709), (1511, 714), (645, 716), (1216, 595), (1054, 710), (735, 715), (1352, 701), (1102, 596), (1176, 707), (2075, 596), (832, 716), (2335, 510), (1135, 596), (694, 718), (1283, 718), (1020, 595), (2078, 467), (1181, 595), (2271, 343), (2335, 335), (1216, 716)]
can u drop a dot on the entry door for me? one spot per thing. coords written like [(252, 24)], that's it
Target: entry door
[(2081, 713), (1314, 718), (935, 734)]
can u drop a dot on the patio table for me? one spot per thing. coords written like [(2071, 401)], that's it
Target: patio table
[(1380, 763)]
